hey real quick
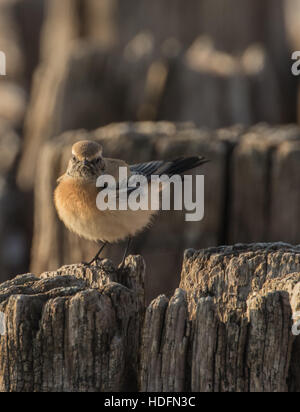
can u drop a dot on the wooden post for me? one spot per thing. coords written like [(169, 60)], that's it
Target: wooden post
[(228, 328)]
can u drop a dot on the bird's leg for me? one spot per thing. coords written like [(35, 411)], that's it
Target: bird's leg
[(98, 254), (126, 252)]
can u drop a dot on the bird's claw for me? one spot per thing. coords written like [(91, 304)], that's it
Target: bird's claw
[(97, 260)]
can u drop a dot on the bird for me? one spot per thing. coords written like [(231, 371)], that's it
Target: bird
[(76, 192)]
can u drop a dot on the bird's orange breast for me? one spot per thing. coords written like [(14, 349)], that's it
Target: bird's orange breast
[(75, 200)]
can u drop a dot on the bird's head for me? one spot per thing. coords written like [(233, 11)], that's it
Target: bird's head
[(86, 160)]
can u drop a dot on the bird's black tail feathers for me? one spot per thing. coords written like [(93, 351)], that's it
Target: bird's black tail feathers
[(181, 165)]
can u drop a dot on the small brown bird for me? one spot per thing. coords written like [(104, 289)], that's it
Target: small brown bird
[(76, 193)]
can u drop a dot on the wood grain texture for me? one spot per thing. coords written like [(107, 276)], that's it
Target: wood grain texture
[(232, 325), (75, 329), (228, 328)]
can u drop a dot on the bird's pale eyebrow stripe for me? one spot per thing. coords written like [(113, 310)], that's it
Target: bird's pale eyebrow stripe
[(96, 155), (87, 156)]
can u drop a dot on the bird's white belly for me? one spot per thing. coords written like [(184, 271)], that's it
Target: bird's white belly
[(110, 226)]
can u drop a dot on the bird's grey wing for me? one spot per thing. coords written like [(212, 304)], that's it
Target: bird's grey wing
[(146, 169), (170, 168)]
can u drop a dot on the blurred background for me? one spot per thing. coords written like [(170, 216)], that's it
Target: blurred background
[(150, 80)]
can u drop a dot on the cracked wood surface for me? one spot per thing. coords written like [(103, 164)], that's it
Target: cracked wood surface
[(227, 328), (75, 329)]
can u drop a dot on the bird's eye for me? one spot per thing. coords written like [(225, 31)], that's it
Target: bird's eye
[(74, 158), (98, 161)]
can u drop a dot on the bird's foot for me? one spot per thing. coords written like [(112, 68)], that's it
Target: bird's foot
[(122, 264), (121, 267), (123, 270), (95, 260), (97, 257)]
